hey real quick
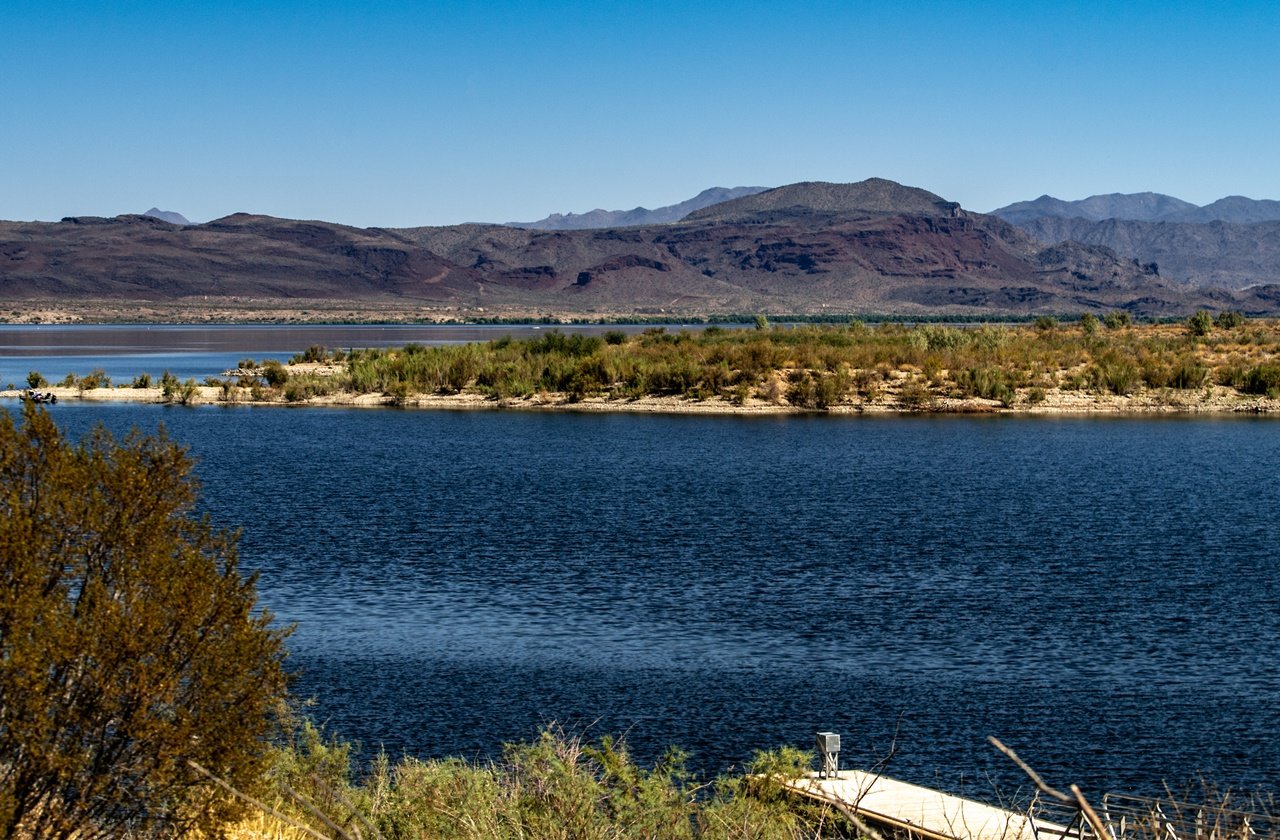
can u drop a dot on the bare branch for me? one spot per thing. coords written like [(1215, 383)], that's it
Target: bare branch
[(1035, 777)]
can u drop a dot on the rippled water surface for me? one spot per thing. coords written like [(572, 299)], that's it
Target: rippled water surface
[(1102, 594)]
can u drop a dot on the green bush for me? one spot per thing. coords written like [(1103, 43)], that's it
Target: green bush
[(1228, 320), (1262, 379), (274, 373), (1200, 324), (1116, 319), (142, 380), (35, 379), (314, 353), (557, 786)]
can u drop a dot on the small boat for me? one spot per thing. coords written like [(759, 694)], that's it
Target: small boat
[(41, 397)]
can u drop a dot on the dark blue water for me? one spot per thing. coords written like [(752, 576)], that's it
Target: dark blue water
[(1102, 594)]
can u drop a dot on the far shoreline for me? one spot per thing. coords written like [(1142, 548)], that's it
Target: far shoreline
[(1216, 401)]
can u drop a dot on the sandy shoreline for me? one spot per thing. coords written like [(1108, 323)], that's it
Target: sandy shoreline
[(1215, 400)]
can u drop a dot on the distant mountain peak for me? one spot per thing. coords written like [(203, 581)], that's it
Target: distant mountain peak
[(640, 215), (878, 196), (167, 215)]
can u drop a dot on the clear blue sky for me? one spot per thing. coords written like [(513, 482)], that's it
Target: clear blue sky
[(436, 113)]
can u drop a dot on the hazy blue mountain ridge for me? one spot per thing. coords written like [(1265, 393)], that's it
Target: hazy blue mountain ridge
[(167, 216), (1143, 207), (639, 216)]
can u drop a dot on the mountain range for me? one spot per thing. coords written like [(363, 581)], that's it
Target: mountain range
[(1143, 207), (639, 216), (1233, 242), (870, 247)]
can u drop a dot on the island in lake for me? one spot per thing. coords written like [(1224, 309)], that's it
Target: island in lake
[(1206, 364)]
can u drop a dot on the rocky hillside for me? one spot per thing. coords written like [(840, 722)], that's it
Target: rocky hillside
[(144, 258), (871, 247)]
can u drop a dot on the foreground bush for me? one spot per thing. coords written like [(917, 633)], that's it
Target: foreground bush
[(557, 786), (130, 644)]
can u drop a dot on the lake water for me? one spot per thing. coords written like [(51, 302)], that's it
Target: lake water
[(1102, 594)]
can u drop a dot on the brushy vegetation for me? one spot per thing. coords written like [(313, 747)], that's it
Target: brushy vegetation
[(820, 367), (557, 786), (130, 643)]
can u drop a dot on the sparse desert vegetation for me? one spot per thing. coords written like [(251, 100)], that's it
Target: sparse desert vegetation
[(1206, 363)]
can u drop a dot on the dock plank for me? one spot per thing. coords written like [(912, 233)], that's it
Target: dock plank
[(921, 811)]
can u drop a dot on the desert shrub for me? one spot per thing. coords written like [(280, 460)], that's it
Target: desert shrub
[(35, 379), (990, 338), (142, 380), (303, 388), (618, 337), (1115, 373), (1046, 323), (187, 392), (1088, 323), (930, 337), (802, 390), (246, 364), (1200, 324), (915, 396), (1117, 318), (1228, 320), (68, 381), (568, 345), (314, 353), (1188, 373), (96, 378), (989, 383), (1262, 379), (131, 643), (274, 373)]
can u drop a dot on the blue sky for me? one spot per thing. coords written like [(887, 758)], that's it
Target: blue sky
[(434, 113)]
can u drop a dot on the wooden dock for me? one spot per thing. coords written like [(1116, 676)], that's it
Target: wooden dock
[(920, 811)]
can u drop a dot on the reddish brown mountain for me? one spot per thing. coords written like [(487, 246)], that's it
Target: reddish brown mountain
[(875, 246)]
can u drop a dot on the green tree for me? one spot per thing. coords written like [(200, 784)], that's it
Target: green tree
[(130, 643)]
